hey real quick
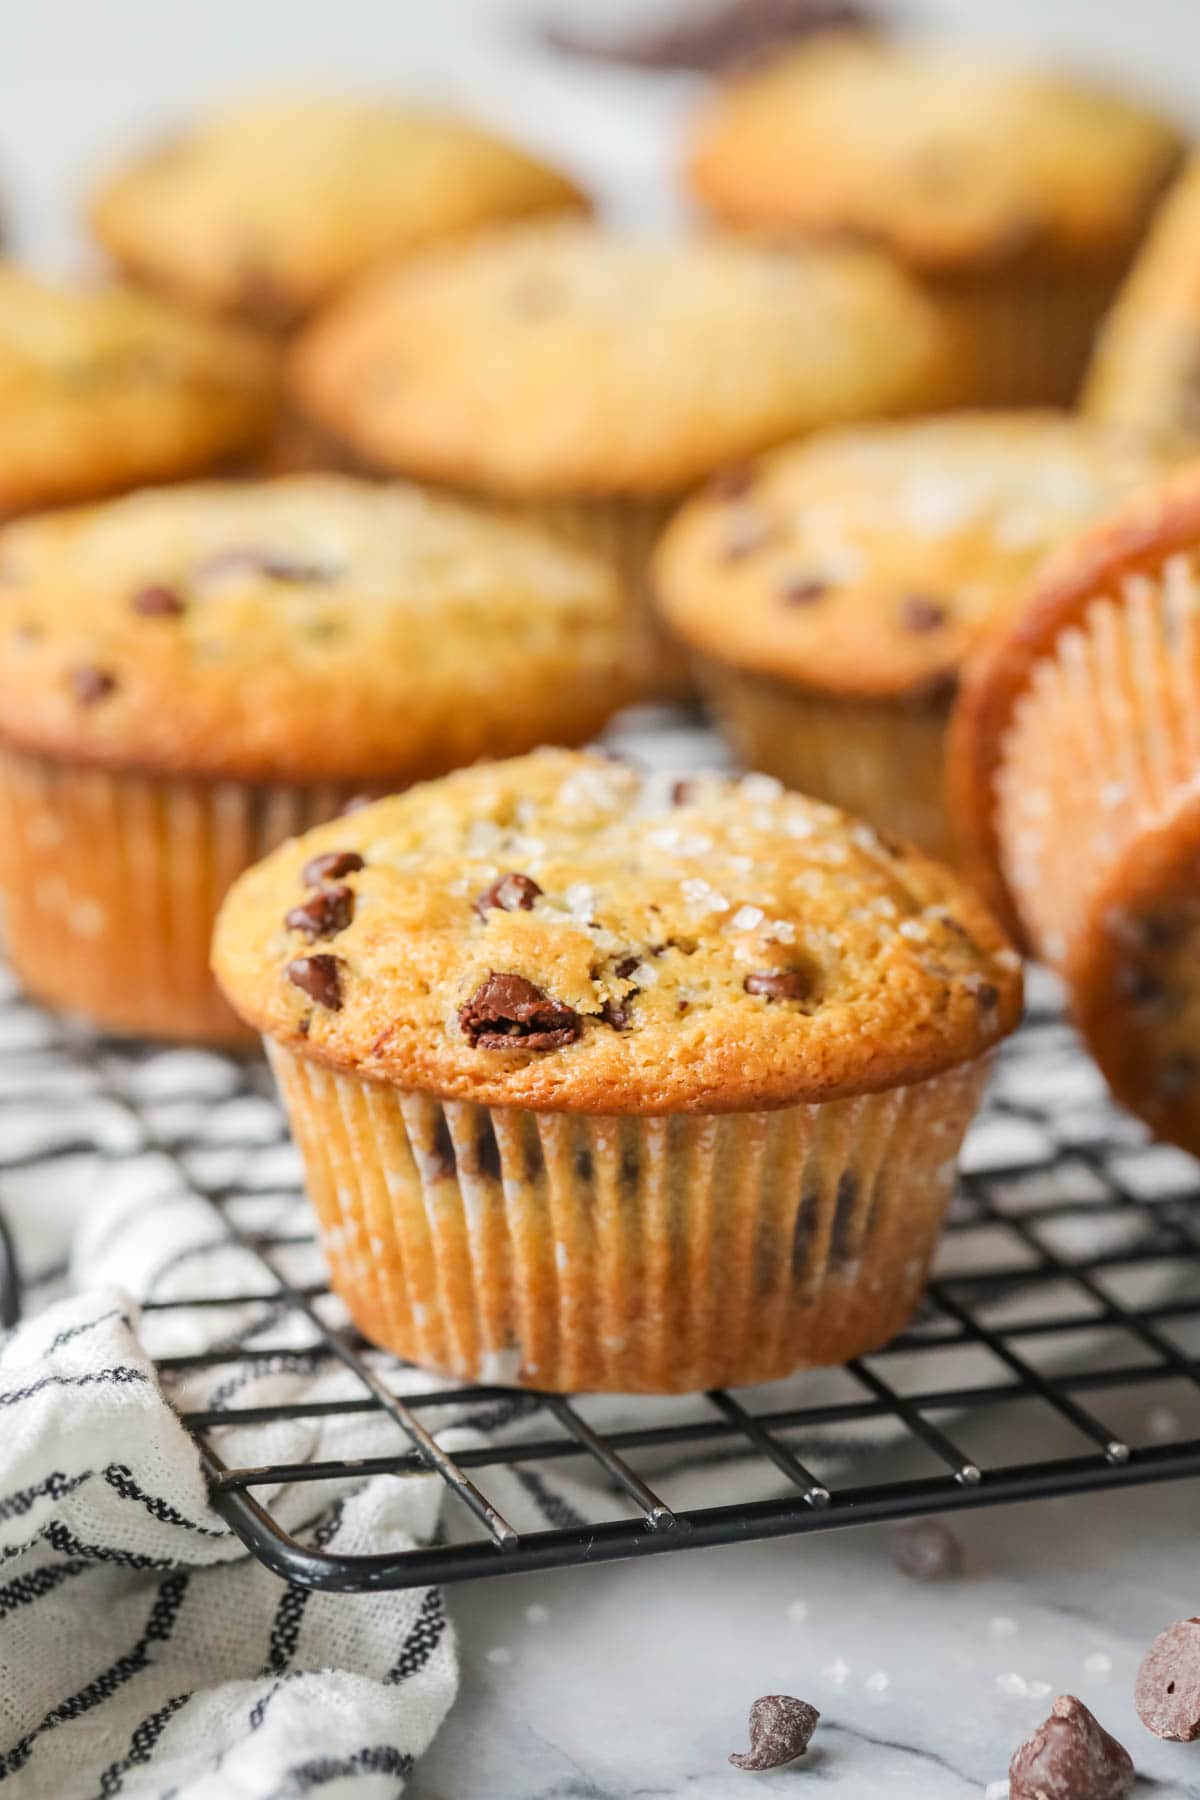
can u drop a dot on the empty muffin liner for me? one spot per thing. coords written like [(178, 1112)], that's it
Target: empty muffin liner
[(882, 760), (626, 1254), (111, 883), (1096, 789)]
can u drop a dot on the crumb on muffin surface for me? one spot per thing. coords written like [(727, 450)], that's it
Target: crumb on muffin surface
[(557, 932)]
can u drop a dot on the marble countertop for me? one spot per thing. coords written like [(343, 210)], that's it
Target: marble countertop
[(633, 1681)]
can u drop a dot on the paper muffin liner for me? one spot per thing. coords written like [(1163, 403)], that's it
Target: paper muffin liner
[(629, 1254), (624, 532), (111, 883), (882, 760), (1094, 795), (1023, 337)]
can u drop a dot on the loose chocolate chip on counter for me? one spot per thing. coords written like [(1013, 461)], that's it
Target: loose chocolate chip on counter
[(508, 893), (90, 684), (330, 867), (733, 482), (509, 1013), (927, 1550), (157, 602), (920, 614), (1070, 1757), (803, 590), (781, 1729), (779, 984), (323, 914), (1167, 1690), (320, 977)]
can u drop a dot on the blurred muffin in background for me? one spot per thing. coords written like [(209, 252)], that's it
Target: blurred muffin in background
[(266, 208), (833, 595), (191, 675), (618, 1083), (1146, 369), (1017, 195), (104, 388), (591, 379), (1076, 776)]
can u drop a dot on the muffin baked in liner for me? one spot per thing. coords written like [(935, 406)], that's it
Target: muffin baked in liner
[(590, 380), (189, 677), (833, 592), (1015, 195), (1145, 373), (547, 1152), (1076, 756)]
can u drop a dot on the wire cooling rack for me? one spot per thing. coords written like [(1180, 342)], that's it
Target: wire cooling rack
[(1067, 1298)]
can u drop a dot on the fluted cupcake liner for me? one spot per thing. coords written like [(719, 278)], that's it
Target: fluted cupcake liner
[(626, 1254), (882, 760), (1023, 336), (1099, 834), (111, 882)]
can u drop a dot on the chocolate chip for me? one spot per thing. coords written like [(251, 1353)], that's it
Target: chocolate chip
[(1070, 1757), (802, 590), (90, 684), (926, 1550), (920, 614), (779, 984), (157, 602), (616, 1014), (508, 893), (319, 977), (733, 482), (331, 866), (250, 559), (1139, 986), (984, 993), (682, 792), (682, 1006), (626, 966), (323, 914), (509, 1013), (1167, 1690), (781, 1729)]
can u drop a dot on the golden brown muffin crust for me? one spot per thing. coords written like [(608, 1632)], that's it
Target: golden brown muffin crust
[(947, 156), (562, 360), (557, 932), (316, 628), (1143, 534), (104, 388), (871, 562), (266, 207)]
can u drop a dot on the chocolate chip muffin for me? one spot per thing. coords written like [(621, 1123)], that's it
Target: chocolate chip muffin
[(104, 388), (605, 1083), (591, 379), (833, 591), (1016, 195), (1076, 770), (1145, 374), (189, 676), (265, 208)]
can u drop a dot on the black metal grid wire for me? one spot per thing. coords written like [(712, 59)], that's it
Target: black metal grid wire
[(1071, 1274)]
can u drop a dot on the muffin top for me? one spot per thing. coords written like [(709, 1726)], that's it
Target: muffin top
[(559, 932), (871, 561), (267, 207), (950, 157), (104, 388), (552, 360), (307, 629), (1154, 534)]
